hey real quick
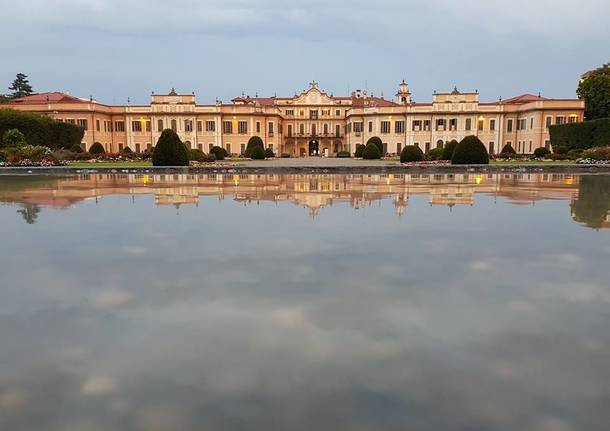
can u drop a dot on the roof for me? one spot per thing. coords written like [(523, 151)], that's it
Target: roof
[(524, 98), (264, 101), (53, 97), (372, 102)]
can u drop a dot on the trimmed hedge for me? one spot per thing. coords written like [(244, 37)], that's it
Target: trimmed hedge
[(508, 149), (253, 142), (470, 151), (585, 135), (219, 152), (170, 151), (542, 152), (377, 141), (40, 129), (257, 153), (359, 150), (448, 149), (435, 154), (97, 148), (343, 155), (269, 154), (371, 152), (411, 153), (196, 155)]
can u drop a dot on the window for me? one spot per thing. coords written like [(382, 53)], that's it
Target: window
[(326, 112), (399, 126), (119, 126), (532, 123), (370, 127), (174, 125), (313, 114), (468, 123), (337, 130), (270, 128), (289, 130), (427, 147), (243, 148), (136, 126), (290, 112), (416, 125), (481, 124), (148, 126), (492, 124), (440, 124), (97, 125), (427, 125), (228, 148), (200, 126), (326, 128), (491, 148), (301, 129), (138, 148), (530, 150), (385, 127), (398, 147), (509, 126), (338, 113), (242, 127), (160, 125), (270, 146), (227, 127), (560, 119), (70, 121), (358, 127), (82, 122), (210, 126), (439, 143), (548, 121), (258, 127), (572, 119), (188, 125)]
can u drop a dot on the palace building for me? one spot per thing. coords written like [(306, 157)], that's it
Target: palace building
[(313, 122)]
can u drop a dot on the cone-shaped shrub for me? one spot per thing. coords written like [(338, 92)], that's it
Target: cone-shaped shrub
[(371, 152), (470, 151), (377, 141), (219, 152), (97, 148), (257, 153), (269, 154), (170, 151), (127, 150), (254, 141), (359, 150), (411, 153), (508, 149), (448, 149)]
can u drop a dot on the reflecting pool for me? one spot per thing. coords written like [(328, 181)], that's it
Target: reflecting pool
[(296, 302)]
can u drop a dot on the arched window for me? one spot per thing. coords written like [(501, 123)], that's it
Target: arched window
[(174, 126), (439, 143)]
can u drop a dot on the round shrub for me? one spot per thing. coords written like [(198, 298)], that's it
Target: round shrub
[(257, 153), (77, 149), (470, 151), (435, 154), (196, 155), (209, 158), (254, 142), (377, 141), (371, 152), (13, 138), (359, 150), (126, 150), (219, 152), (541, 153), (508, 149), (269, 154), (170, 151), (97, 148), (411, 153), (448, 150)]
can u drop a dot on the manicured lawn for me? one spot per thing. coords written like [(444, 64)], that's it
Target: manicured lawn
[(135, 164)]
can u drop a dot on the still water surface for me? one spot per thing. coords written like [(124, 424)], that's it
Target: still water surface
[(228, 302)]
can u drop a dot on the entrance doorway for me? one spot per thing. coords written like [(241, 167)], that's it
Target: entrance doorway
[(314, 148)]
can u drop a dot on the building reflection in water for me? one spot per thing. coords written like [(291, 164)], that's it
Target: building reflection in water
[(589, 195)]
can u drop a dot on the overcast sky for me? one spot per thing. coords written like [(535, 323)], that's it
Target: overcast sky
[(114, 49)]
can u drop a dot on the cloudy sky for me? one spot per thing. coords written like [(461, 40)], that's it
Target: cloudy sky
[(114, 49)]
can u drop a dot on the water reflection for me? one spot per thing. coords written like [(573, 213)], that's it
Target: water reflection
[(186, 303), (590, 195)]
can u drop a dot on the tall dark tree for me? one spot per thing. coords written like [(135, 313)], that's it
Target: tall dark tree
[(594, 89), (29, 212), (21, 86)]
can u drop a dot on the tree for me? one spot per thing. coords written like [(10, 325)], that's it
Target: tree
[(411, 153), (257, 153), (29, 212), (21, 86), (13, 138), (371, 152), (508, 149), (170, 151), (359, 150), (448, 150), (254, 141), (377, 141), (595, 91), (219, 152), (470, 151)]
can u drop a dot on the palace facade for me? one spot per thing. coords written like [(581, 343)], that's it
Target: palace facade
[(313, 122)]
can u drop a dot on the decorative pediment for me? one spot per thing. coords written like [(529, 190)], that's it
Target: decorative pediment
[(313, 96)]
